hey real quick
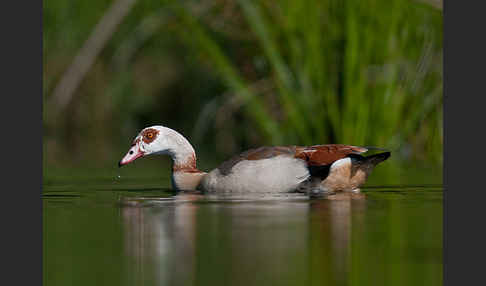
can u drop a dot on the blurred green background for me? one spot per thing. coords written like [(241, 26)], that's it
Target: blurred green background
[(233, 75)]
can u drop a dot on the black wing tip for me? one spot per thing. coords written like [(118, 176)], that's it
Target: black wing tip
[(378, 158), (385, 155)]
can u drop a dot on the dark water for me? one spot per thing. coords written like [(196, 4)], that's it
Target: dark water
[(112, 234)]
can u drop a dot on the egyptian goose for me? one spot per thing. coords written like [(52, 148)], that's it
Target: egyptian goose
[(310, 169)]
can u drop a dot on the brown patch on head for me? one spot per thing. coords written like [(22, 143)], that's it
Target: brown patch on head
[(149, 135)]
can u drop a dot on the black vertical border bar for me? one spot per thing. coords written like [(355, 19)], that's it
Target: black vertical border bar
[(464, 142), (21, 149)]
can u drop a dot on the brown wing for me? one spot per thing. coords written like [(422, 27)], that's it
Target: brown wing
[(320, 155), (317, 155)]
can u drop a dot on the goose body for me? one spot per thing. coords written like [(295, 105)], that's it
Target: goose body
[(309, 169), (277, 174)]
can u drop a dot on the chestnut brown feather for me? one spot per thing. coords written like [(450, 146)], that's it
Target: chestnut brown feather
[(320, 155), (317, 155)]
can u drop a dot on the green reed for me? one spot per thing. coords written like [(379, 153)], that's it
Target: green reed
[(356, 72), (291, 72)]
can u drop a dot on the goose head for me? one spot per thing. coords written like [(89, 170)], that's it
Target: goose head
[(158, 140)]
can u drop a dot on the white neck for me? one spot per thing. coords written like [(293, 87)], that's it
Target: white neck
[(185, 175), (180, 150)]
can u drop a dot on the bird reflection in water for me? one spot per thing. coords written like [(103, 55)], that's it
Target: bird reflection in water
[(223, 239)]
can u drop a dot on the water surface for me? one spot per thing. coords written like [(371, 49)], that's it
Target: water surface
[(135, 233)]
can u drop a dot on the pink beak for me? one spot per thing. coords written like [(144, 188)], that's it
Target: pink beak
[(133, 154)]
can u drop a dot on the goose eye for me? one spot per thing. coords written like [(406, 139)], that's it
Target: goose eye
[(149, 135)]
